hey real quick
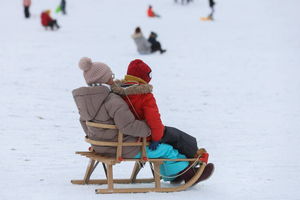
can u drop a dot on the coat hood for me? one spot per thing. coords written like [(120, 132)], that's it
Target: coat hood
[(89, 100), (121, 87), (137, 35)]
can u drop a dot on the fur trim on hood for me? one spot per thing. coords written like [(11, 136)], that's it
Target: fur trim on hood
[(121, 88), (137, 35)]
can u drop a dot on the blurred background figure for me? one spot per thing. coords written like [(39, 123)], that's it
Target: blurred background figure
[(63, 6), (47, 21), (27, 4), (145, 46), (155, 45), (151, 13), (183, 1), (211, 5)]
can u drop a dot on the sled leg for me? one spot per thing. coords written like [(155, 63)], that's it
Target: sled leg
[(136, 169), (105, 169), (157, 174), (110, 183), (89, 170)]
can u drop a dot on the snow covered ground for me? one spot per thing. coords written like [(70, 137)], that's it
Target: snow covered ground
[(233, 83)]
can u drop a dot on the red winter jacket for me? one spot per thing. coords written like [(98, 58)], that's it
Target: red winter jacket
[(150, 12), (142, 104), (45, 18)]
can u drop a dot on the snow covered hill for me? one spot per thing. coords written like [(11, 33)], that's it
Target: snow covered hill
[(233, 83)]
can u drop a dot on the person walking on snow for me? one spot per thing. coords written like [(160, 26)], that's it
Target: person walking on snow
[(151, 13), (47, 21), (98, 104), (211, 5), (26, 4), (63, 6)]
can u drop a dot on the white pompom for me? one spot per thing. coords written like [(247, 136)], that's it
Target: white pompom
[(85, 63)]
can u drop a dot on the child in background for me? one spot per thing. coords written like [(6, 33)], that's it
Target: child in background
[(47, 21), (151, 13), (155, 45)]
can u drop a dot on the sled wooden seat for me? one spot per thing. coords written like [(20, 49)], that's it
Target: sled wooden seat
[(109, 162)]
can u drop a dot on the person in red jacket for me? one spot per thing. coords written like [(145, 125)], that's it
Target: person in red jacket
[(151, 13), (47, 21), (137, 92)]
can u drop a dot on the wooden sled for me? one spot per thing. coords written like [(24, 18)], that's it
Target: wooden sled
[(108, 164)]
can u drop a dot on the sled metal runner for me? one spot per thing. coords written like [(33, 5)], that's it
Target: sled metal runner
[(109, 162)]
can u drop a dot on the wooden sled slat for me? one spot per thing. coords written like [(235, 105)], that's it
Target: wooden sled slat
[(114, 144), (118, 181), (91, 154)]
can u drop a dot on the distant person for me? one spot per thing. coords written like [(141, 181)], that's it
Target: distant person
[(143, 45), (151, 13), (211, 5), (47, 21), (183, 1), (155, 45), (63, 6), (27, 4)]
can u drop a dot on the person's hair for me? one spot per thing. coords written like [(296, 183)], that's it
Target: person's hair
[(137, 30)]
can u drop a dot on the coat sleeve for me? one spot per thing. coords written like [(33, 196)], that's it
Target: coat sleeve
[(152, 117), (118, 109)]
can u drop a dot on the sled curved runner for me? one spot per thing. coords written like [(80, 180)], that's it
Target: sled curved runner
[(109, 162)]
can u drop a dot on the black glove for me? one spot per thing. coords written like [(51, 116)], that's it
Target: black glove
[(153, 145)]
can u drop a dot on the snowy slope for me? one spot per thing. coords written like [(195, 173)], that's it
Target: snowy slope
[(233, 83)]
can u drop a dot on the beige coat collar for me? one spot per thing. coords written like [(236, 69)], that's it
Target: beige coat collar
[(132, 89)]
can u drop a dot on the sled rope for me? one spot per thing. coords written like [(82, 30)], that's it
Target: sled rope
[(137, 115)]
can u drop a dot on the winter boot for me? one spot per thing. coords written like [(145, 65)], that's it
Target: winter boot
[(163, 51), (207, 172), (186, 176)]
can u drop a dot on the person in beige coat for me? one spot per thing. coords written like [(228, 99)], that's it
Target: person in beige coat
[(96, 103)]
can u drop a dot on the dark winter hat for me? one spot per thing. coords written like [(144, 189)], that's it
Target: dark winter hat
[(153, 34), (94, 72), (139, 69)]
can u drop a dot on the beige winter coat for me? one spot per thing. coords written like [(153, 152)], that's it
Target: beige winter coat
[(99, 105)]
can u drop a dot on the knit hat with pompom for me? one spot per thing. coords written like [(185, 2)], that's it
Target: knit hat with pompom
[(94, 72)]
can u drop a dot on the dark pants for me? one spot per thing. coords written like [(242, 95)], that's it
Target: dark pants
[(26, 11), (155, 46), (183, 142), (211, 15), (63, 9), (53, 24)]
